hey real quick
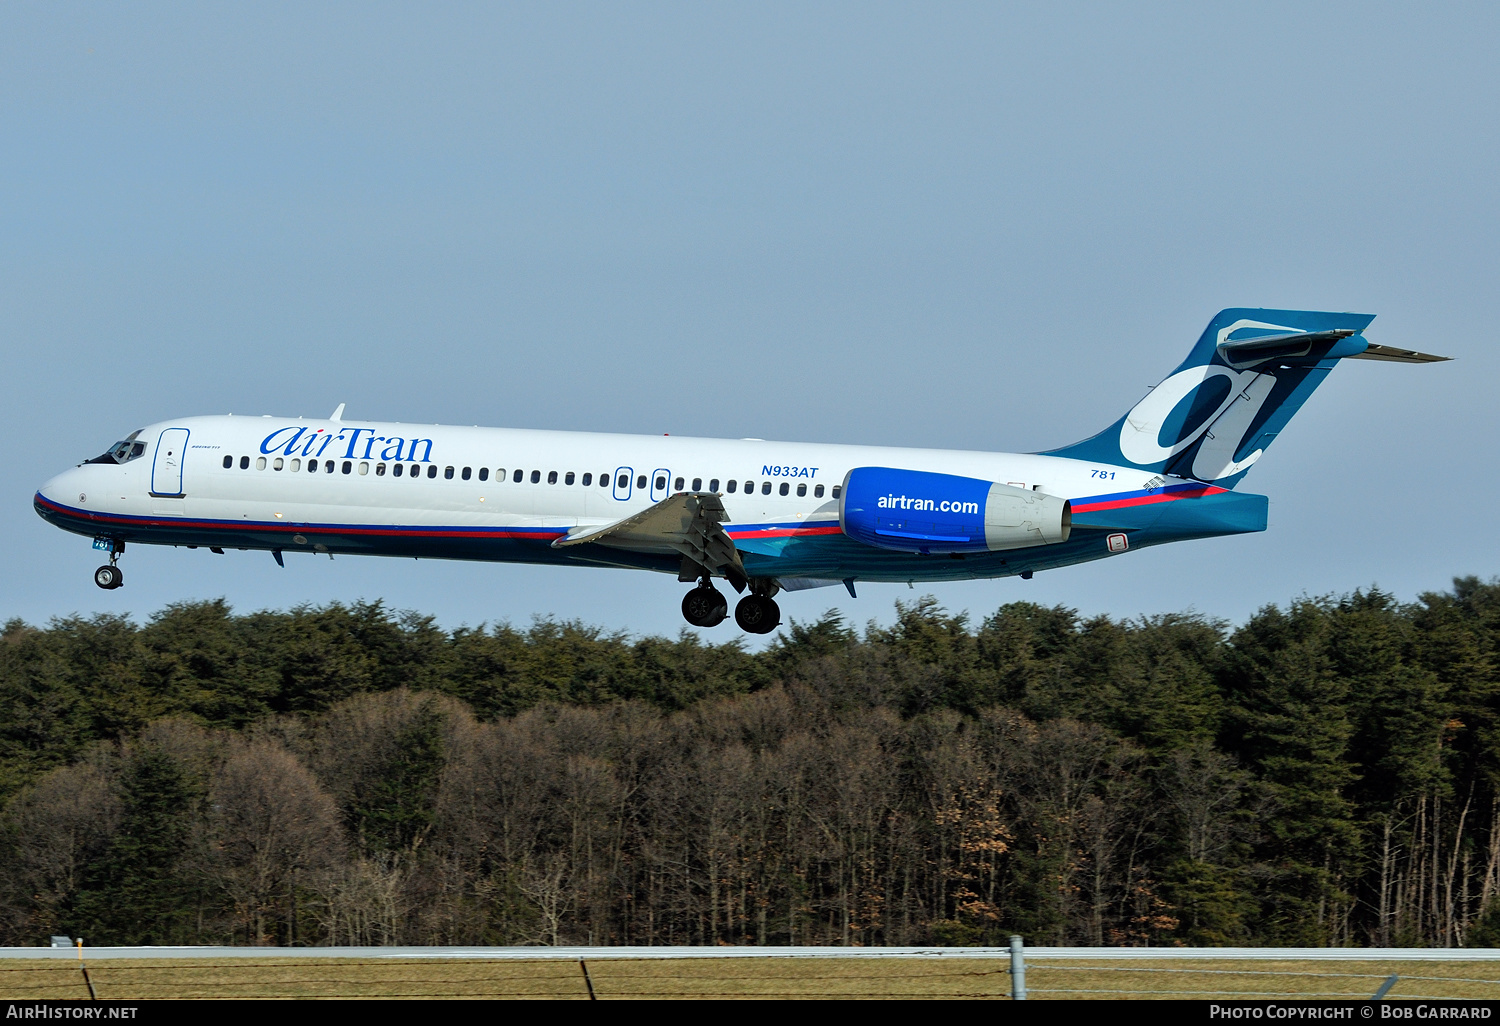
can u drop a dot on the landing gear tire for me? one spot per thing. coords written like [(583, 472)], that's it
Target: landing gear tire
[(704, 607), (757, 614), (109, 577)]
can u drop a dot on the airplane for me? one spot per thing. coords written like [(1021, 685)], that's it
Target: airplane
[(765, 517)]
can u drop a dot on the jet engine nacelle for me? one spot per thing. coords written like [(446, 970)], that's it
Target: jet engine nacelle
[(914, 511)]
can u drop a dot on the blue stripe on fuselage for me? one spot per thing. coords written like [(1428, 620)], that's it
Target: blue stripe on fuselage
[(780, 549)]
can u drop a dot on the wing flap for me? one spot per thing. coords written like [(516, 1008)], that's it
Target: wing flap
[(689, 524)]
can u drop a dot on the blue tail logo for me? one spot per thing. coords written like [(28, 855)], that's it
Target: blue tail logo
[(1217, 413)]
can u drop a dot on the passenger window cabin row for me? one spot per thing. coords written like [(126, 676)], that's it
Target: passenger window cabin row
[(414, 470)]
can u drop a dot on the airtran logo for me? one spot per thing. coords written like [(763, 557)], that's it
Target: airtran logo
[(927, 505), (1210, 401), (356, 444)]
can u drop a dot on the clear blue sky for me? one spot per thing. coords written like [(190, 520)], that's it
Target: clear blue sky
[(972, 226)]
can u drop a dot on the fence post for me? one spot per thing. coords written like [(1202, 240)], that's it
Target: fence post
[(1017, 969)]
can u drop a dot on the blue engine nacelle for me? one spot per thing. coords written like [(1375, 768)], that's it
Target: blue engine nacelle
[(914, 511)]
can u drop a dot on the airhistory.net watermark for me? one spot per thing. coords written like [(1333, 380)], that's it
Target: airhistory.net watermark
[(47, 1010)]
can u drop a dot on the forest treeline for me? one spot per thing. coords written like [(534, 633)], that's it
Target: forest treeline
[(1327, 773)]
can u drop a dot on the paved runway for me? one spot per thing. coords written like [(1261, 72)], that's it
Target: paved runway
[(599, 953)]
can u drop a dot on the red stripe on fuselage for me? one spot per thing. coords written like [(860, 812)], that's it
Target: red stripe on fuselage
[(1148, 499), (297, 528), (783, 532), (542, 534)]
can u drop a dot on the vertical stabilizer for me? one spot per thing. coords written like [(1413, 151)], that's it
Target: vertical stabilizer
[(1214, 416)]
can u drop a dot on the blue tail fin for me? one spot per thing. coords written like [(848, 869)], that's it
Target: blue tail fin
[(1218, 412)]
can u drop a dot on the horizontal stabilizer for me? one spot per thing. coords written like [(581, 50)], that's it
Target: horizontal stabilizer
[(1393, 355), (1296, 345)]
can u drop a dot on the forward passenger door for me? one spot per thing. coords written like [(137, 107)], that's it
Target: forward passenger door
[(166, 463)]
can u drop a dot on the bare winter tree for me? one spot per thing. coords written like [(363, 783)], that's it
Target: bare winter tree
[(273, 832), (56, 829)]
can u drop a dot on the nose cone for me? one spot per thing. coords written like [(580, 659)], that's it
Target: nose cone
[(64, 500), (65, 489)]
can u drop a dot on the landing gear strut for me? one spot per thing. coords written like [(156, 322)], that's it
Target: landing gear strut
[(109, 577), (704, 606)]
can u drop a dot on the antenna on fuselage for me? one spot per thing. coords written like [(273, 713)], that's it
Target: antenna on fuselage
[(338, 414)]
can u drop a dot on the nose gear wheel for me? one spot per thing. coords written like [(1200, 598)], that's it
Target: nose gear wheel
[(109, 577)]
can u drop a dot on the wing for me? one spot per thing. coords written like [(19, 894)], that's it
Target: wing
[(688, 523)]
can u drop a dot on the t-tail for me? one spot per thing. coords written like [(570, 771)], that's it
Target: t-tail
[(1217, 413)]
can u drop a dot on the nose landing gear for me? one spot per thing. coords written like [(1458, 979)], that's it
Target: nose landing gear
[(109, 577)]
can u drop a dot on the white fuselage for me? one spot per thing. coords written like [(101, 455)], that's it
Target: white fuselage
[(504, 495), (363, 488)]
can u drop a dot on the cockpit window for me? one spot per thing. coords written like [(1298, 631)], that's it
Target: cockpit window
[(121, 452)]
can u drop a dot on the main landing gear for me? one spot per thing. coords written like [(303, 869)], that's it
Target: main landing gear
[(109, 577), (704, 606), (756, 613)]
